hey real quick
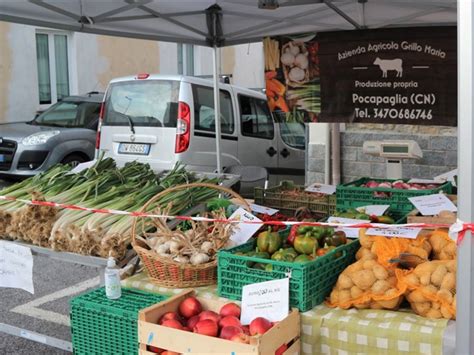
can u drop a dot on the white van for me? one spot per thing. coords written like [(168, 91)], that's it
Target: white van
[(162, 119)]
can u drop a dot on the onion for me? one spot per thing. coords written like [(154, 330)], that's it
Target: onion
[(301, 60)]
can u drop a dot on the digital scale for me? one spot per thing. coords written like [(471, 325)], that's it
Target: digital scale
[(394, 151)]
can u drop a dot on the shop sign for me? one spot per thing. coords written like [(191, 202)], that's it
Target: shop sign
[(394, 76)]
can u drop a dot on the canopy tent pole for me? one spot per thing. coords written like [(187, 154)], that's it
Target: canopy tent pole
[(217, 106), (465, 259)]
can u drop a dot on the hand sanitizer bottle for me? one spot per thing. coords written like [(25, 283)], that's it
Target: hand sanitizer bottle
[(113, 289)]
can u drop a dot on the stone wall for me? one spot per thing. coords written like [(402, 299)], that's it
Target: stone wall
[(438, 143)]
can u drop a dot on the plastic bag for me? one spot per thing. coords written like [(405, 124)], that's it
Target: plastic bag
[(431, 288), (444, 248), (367, 284)]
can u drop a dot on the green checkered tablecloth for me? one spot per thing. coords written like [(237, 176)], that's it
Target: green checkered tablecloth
[(335, 331)]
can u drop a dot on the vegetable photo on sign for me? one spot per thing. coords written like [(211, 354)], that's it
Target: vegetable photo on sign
[(292, 77)]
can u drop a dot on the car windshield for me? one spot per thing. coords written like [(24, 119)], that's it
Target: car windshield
[(145, 103), (69, 114)]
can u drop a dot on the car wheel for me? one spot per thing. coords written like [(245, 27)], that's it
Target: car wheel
[(73, 160)]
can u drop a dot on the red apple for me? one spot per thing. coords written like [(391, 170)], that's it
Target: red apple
[(154, 349), (281, 349), (245, 329), (190, 307), (206, 327), (169, 315), (230, 309), (229, 331), (259, 326), (210, 315), (192, 322), (241, 338), (172, 323), (187, 329), (229, 320)]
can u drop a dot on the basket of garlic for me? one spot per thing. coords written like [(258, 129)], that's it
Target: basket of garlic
[(182, 257)]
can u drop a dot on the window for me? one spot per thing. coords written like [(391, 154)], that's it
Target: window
[(204, 118), (256, 120), (53, 67), (293, 134), (185, 59), (70, 114), (146, 103)]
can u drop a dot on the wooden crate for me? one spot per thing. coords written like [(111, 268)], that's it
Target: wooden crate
[(415, 217), (149, 333)]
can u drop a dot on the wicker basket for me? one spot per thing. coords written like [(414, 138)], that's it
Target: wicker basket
[(167, 272)]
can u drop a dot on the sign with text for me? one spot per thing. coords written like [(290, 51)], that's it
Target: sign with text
[(262, 209), (399, 232), (270, 300), (431, 205), (16, 266), (321, 188), (350, 232), (243, 232), (399, 76)]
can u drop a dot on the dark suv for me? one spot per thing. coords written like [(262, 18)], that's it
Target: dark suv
[(64, 133)]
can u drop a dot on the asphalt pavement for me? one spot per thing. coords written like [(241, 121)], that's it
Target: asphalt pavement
[(47, 311)]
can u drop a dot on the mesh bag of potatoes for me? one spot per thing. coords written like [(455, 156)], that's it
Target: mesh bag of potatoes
[(431, 288), (444, 248), (367, 284), (384, 249)]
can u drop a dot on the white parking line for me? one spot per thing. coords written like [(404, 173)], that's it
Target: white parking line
[(30, 309)]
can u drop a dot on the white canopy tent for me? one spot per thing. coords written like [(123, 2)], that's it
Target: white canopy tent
[(217, 23)]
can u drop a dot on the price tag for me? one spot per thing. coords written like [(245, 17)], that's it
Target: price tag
[(400, 232), (425, 181), (431, 205), (352, 233), (243, 232), (268, 299), (322, 189), (16, 266), (262, 209), (376, 210)]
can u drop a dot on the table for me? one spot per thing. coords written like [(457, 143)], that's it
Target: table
[(327, 330)]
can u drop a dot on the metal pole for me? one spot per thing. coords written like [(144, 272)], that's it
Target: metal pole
[(465, 255), (217, 108)]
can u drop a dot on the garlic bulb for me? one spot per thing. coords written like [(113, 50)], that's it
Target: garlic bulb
[(287, 58), (296, 74), (175, 246), (199, 258), (207, 246), (181, 259), (301, 61), (294, 49), (162, 248)]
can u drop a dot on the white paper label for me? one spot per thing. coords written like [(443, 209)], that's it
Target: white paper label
[(374, 210), (322, 189), (243, 232), (431, 205), (399, 232), (425, 181), (262, 209), (350, 232), (268, 299), (16, 266)]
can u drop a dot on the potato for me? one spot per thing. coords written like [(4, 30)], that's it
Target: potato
[(364, 279), (364, 253), (430, 289), (412, 280), (425, 279), (380, 273), (421, 307), (418, 251), (451, 265), (433, 313), (380, 286), (416, 296), (390, 304), (445, 295), (438, 275), (334, 297), (425, 268), (344, 296), (357, 266), (375, 305), (446, 312), (392, 280), (435, 305), (365, 240), (364, 305), (344, 281), (449, 282), (356, 292), (369, 264)]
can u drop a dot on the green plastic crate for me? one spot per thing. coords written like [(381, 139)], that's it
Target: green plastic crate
[(310, 283), (275, 197), (351, 195), (103, 326)]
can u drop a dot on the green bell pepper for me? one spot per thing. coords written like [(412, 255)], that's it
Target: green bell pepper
[(306, 244), (269, 241)]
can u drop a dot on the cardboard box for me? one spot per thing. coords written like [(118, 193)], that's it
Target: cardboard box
[(150, 333), (415, 217)]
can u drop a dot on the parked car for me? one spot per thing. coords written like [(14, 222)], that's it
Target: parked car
[(161, 119), (64, 133)]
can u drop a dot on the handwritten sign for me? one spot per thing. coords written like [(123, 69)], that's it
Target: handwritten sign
[(431, 205), (262, 209), (243, 232), (352, 233), (268, 299), (374, 210), (399, 232), (16, 266), (322, 189)]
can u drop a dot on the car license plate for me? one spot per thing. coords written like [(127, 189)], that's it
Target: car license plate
[(134, 148)]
